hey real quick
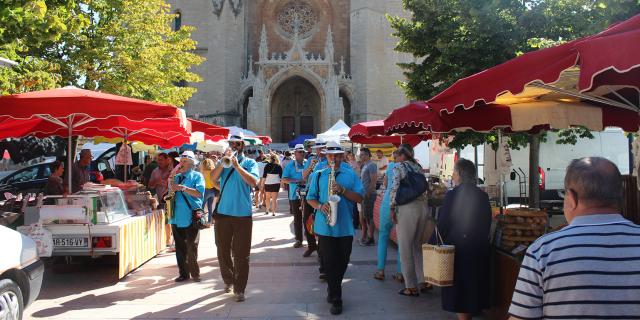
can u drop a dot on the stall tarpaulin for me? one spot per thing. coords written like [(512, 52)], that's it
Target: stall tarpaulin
[(210, 131), (372, 132), (338, 132), (603, 68), (70, 108)]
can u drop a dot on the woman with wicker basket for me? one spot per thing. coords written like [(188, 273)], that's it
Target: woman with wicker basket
[(464, 221), (410, 216)]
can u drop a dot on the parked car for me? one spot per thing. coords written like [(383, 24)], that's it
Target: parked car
[(21, 273), (104, 164), (31, 179)]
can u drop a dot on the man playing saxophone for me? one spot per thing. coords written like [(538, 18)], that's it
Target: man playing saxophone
[(335, 241), (233, 224)]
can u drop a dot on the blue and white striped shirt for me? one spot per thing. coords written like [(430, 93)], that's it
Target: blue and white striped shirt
[(588, 270)]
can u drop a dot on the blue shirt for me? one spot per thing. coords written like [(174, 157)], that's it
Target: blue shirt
[(293, 171), (347, 178), (182, 216), (235, 197)]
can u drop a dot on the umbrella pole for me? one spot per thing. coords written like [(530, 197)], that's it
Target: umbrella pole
[(126, 149), (69, 157), (501, 182)]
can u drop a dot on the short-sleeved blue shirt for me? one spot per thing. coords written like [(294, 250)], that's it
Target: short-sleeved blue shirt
[(293, 171), (347, 178), (182, 216), (235, 198)]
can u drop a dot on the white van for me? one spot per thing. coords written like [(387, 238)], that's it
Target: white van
[(21, 273)]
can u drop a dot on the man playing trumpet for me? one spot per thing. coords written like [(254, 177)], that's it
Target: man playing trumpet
[(234, 177), (335, 241)]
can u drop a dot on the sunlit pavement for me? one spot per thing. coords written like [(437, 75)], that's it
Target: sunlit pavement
[(282, 285)]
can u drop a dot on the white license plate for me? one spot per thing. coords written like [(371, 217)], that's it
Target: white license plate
[(71, 242)]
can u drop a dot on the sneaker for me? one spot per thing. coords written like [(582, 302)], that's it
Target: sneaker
[(308, 252), (228, 287), (336, 308), (371, 242), (298, 244), (240, 297), (266, 213), (180, 279), (363, 242)]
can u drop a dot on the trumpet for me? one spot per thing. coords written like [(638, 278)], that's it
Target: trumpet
[(226, 161)]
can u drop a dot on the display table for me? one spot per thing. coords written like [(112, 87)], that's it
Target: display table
[(504, 274), (140, 239)]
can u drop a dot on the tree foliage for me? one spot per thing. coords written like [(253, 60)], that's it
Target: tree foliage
[(453, 39), (125, 47)]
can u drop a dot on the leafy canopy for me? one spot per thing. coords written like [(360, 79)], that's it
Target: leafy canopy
[(125, 47), (453, 39)]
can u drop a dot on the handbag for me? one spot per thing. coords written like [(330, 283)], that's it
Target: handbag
[(411, 187), (438, 262), (198, 216)]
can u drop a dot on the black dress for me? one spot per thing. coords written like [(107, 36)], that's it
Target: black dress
[(465, 222)]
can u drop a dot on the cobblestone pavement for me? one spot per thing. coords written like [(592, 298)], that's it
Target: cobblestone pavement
[(282, 285)]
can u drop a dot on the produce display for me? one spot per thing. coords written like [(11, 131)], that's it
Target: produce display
[(521, 227)]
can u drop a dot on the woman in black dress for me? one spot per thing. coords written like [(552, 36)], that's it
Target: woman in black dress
[(465, 222), (272, 175)]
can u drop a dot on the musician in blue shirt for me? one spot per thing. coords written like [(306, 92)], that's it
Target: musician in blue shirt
[(188, 185), (293, 176), (316, 162), (233, 224), (335, 241)]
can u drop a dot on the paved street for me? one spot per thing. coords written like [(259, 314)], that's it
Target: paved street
[(282, 285)]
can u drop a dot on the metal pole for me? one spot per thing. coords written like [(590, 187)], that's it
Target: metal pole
[(631, 160), (501, 183), (126, 149), (69, 151)]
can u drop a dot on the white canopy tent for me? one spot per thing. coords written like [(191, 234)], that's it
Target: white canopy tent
[(236, 130), (338, 132)]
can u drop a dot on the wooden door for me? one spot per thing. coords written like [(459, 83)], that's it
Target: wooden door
[(288, 129), (306, 125)]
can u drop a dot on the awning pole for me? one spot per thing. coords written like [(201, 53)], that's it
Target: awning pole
[(501, 183), (126, 149), (69, 157)]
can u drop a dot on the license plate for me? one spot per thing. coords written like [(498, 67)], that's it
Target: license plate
[(71, 242)]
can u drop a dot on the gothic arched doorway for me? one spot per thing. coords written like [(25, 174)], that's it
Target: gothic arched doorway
[(295, 110)]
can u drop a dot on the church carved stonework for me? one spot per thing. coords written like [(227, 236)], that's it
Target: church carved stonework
[(319, 105)]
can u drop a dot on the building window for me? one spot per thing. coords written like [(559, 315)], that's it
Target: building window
[(177, 21)]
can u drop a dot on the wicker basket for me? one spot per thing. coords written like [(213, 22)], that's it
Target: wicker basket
[(438, 263)]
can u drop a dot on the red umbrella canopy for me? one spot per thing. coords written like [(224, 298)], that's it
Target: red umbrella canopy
[(512, 118), (372, 132), (211, 132), (603, 68), (265, 139), (69, 101)]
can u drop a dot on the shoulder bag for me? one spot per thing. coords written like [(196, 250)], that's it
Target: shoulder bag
[(411, 187)]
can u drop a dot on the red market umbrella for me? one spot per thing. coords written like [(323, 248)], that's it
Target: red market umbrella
[(512, 118), (265, 139), (372, 132), (603, 69), (88, 111), (211, 132)]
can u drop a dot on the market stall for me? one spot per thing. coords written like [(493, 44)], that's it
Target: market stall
[(97, 221)]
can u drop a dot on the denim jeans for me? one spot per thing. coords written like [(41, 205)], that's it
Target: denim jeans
[(209, 194)]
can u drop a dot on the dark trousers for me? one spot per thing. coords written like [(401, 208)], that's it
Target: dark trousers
[(311, 238), (296, 211), (233, 239), (187, 250), (336, 252)]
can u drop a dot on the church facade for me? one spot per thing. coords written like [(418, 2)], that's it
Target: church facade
[(286, 68)]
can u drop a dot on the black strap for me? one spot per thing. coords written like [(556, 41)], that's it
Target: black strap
[(318, 178), (183, 196), (224, 183)]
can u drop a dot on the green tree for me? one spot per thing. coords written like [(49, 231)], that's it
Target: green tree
[(125, 47), (453, 39)]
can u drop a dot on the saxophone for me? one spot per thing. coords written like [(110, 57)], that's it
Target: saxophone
[(169, 199), (332, 216)]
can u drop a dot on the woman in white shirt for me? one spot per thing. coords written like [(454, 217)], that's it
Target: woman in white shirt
[(272, 174)]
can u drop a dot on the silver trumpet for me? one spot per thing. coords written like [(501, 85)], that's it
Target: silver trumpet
[(226, 161)]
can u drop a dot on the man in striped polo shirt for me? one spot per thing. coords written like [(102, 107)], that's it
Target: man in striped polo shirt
[(591, 268)]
